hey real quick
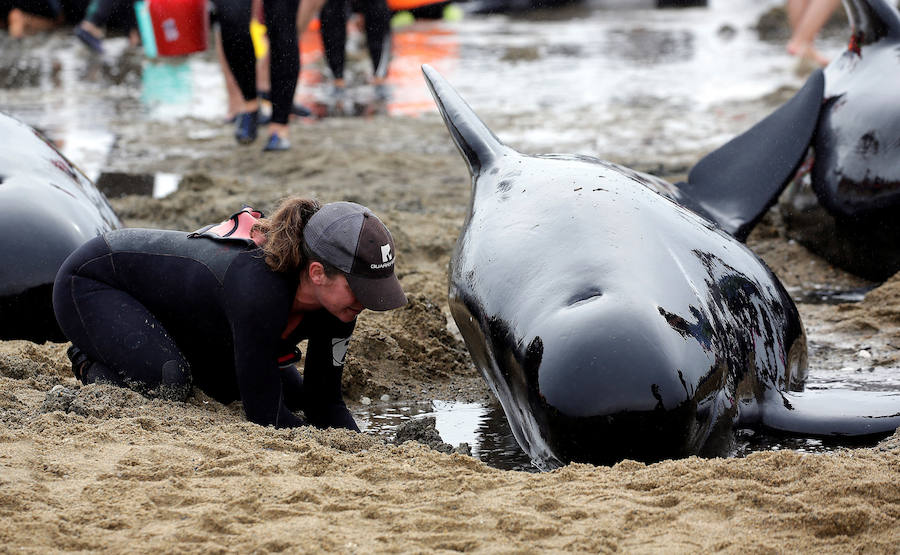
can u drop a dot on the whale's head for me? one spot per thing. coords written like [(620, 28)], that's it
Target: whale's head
[(857, 142)]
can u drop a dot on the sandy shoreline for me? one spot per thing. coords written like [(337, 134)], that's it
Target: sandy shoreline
[(140, 475)]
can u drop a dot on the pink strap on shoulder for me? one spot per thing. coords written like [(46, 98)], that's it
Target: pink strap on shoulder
[(238, 226)]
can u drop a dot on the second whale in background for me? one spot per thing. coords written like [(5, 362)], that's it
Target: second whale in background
[(845, 124)]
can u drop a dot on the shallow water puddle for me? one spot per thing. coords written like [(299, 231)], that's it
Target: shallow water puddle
[(482, 427), (829, 296), (117, 184)]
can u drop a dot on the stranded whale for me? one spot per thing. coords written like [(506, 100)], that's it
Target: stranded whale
[(48, 208), (850, 117), (613, 322)]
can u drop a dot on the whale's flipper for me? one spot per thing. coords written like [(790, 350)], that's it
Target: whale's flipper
[(477, 144), (872, 20), (738, 182), (831, 413)]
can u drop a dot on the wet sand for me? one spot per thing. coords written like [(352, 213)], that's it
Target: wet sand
[(107, 469)]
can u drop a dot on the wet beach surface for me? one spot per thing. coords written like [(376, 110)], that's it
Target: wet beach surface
[(653, 90)]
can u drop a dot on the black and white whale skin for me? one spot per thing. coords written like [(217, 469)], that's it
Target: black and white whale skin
[(856, 172), (48, 208), (850, 117), (613, 322)]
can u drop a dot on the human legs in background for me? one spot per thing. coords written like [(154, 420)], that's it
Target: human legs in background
[(91, 29), (235, 97), (806, 18), (284, 67), (306, 12), (377, 18), (30, 17), (377, 21), (333, 19), (232, 90), (237, 49)]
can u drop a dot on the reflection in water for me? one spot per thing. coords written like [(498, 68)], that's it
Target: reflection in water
[(165, 82), (117, 184), (483, 427), (830, 296)]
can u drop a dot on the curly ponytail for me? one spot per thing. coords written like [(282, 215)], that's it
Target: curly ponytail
[(283, 247)]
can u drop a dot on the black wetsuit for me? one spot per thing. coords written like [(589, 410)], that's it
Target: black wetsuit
[(284, 57), (156, 310), (377, 19), (234, 17)]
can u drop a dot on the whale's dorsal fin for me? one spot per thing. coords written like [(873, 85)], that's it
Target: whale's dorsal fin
[(477, 144), (735, 184), (872, 20)]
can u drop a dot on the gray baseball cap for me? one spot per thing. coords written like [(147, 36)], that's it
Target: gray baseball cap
[(352, 238)]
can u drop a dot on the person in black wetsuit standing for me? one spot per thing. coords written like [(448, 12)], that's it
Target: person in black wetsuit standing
[(223, 308), (377, 21)]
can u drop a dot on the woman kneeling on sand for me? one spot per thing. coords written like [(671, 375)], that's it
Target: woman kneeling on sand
[(224, 308)]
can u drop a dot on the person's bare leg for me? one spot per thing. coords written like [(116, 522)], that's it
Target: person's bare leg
[(16, 19), (795, 9), (263, 79), (801, 43), (263, 82), (309, 9)]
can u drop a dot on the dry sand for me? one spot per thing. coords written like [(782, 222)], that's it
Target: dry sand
[(105, 469)]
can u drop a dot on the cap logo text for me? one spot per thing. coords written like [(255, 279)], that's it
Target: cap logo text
[(386, 255)]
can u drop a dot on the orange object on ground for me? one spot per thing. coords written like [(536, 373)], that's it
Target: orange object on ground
[(179, 26), (400, 5)]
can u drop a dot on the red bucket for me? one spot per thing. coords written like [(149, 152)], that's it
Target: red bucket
[(179, 26)]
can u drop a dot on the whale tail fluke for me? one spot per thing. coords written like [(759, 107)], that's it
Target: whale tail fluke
[(872, 20), (735, 184), (477, 144), (831, 413)]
